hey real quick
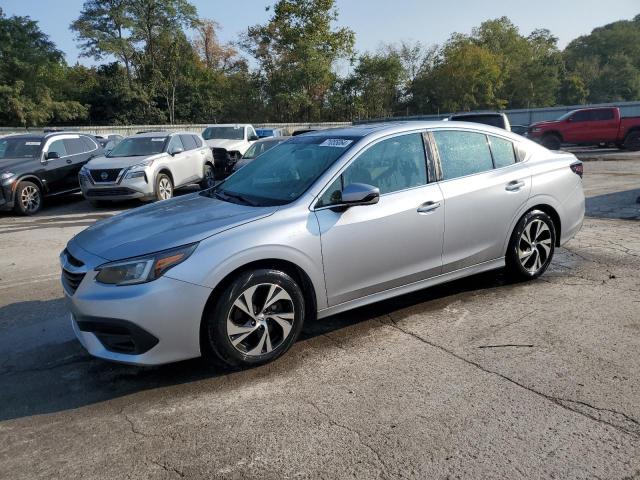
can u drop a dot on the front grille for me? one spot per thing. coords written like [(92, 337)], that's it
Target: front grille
[(72, 280), (105, 175), (108, 192)]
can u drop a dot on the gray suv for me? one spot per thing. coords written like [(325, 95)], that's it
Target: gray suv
[(320, 224), (148, 166)]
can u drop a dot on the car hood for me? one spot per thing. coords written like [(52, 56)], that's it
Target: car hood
[(166, 224), (225, 143), (543, 124), (119, 162), (15, 165)]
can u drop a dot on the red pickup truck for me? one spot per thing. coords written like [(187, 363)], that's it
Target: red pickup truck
[(588, 126)]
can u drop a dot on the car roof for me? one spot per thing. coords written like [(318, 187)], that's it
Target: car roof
[(237, 125), (476, 114), (273, 139), (44, 135)]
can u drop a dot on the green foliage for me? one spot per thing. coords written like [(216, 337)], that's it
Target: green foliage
[(157, 73)]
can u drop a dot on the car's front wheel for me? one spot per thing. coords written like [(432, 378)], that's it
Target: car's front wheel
[(28, 199), (208, 178), (552, 141), (256, 319), (164, 187), (531, 246)]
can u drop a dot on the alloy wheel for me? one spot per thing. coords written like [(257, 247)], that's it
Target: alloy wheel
[(164, 188), (534, 246), (30, 198), (209, 177), (260, 319)]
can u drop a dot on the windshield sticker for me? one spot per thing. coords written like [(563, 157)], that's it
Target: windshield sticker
[(336, 142), (157, 139), (32, 144)]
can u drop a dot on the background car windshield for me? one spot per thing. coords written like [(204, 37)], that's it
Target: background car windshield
[(259, 148), (19, 147), (286, 171), (138, 147), (226, 133)]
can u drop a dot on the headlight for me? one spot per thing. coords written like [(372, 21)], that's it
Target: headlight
[(7, 176), (143, 269), (137, 170)]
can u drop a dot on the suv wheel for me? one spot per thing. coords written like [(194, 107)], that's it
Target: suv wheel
[(632, 141), (28, 199), (257, 319), (208, 178), (531, 246), (552, 141), (164, 187)]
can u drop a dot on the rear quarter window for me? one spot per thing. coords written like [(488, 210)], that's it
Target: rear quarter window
[(502, 151)]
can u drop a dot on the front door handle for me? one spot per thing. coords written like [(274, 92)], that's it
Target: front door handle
[(428, 207), (514, 186), (69, 160)]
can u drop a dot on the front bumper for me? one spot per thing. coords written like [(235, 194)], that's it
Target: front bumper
[(122, 189), (7, 196), (147, 324)]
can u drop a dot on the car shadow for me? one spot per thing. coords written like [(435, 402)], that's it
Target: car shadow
[(45, 375), (623, 205)]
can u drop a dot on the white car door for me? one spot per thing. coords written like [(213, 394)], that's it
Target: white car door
[(484, 187), (368, 249), (179, 163)]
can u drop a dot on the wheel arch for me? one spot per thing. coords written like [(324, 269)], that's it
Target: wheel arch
[(29, 178), (293, 270), (555, 133), (166, 171), (544, 205)]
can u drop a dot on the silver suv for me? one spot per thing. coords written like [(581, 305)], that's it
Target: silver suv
[(322, 223), (148, 166)]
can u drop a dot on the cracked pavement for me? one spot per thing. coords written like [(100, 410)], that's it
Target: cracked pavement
[(479, 378)]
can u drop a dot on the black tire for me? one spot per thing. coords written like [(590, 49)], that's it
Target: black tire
[(519, 265), (632, 141), (28, 198), (164, 187), (216, 341), (208, 177), (552, 141)]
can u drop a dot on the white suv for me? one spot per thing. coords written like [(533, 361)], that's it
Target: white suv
[(148, 166), (228, 143)]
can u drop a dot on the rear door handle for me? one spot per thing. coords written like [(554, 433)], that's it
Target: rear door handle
[(428, 207), (514, 186)]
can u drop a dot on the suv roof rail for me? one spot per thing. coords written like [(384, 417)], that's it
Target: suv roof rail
[(151, 131)]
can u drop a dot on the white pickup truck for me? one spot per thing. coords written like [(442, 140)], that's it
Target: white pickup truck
[(228, 142)]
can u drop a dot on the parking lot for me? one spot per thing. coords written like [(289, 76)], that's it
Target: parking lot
[(479, 378)]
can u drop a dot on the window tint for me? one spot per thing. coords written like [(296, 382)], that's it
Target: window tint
[(74, 146), (604, 114), (391, 165), (493, 120), (90, 144), (188, 142), (58, 146), (583, 116), (462, 153), (503, 152), (197, 140), (175, 143)]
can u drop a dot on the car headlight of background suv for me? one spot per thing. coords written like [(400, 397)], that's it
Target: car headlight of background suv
[(7, 177), (143, 269), (137, 171)]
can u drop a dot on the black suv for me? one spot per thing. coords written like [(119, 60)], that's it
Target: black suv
[(34, 166)]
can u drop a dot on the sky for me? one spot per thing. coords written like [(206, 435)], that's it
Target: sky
[(374, 21)]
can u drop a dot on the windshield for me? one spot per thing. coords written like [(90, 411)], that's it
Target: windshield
[(226, 133), (259, 148), (20, 147), (566, 115), (138, 147), (283, 173)]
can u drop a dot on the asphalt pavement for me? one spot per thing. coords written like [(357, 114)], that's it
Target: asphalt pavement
[(479, 378)]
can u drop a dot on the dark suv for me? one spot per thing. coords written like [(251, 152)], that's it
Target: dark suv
[(34, 166)]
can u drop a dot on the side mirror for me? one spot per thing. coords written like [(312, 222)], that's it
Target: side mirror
[(360, 194), (570, 119), (176, 151), (52, 155), (253, 138)]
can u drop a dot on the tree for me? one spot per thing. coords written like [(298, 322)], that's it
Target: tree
[(30, 65), (296, 52)]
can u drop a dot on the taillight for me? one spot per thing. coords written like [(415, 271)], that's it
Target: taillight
[(577, 168)]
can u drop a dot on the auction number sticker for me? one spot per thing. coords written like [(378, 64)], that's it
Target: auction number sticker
[(157, 139), (32, 144), (336, 142)]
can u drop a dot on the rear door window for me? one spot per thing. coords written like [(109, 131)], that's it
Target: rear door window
[(462, 153), (197, 140), (602, 115), (74, 146), (188, 142), (502, 151)]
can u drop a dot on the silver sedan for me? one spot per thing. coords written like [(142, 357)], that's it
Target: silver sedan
[(322, 223)]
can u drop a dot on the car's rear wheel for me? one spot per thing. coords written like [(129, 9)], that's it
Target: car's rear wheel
[(552, 141), (256, 319), (28, 199), (208, 178), (632, 141), (531, 246), (164, 187)]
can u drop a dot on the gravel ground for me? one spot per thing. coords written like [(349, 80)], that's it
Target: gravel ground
[(479, 378)]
